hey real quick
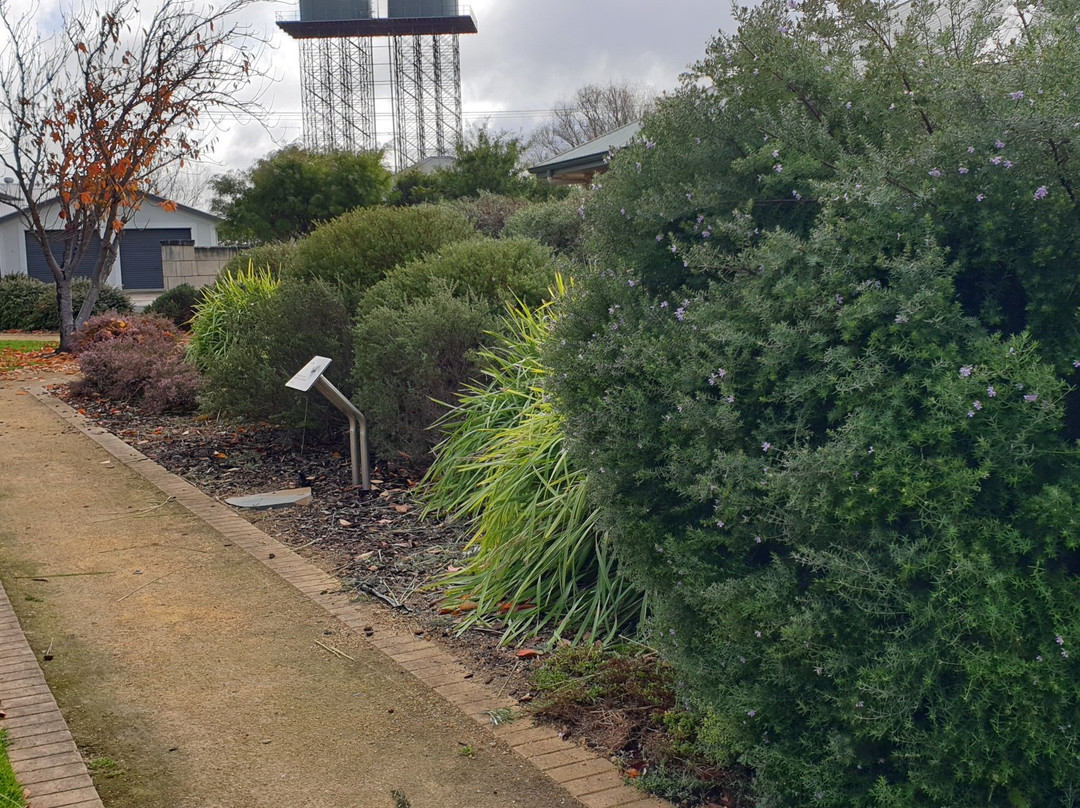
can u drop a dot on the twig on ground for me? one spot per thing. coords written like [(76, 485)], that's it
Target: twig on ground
[(133, 591), (509, 676), (393, 604), (136, 513), (47, 576), (335, 651)]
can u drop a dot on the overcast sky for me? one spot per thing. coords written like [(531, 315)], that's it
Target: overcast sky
[(527, 56)]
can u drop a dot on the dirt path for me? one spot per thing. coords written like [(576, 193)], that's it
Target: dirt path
[(193, 675)]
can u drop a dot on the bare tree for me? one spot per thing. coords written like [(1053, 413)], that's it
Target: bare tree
[(593, 111), (94, 116)]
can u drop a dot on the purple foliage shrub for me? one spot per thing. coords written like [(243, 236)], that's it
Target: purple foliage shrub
[(136, 358)]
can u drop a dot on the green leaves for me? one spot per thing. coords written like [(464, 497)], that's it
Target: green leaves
[(818, 382), (538, 558)]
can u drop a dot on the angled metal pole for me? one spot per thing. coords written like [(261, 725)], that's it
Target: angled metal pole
[(311, 375)]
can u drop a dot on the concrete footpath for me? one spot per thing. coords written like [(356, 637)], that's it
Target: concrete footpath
[(200, 663)]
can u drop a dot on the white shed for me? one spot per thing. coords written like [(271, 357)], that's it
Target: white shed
[(138, 267)]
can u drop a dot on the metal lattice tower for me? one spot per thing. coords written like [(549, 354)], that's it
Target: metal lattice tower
[(343, 69), (337, 89)]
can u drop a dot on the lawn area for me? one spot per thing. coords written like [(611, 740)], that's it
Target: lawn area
[(11, 793), (18, 353)]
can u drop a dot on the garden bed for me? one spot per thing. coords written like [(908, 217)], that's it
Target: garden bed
[(376, 542)]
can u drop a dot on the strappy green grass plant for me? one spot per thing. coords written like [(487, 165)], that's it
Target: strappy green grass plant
[(225, 311), (537, 560), (11, 793)]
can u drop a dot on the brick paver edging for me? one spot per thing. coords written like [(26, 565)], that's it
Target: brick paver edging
[(42, 751), (592, 780)]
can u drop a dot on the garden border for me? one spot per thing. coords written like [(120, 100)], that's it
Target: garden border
[(592, 780), (43, 753)]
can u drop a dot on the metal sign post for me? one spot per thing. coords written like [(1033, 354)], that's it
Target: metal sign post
[(311, 375)]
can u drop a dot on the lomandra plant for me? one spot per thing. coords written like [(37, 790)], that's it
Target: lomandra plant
[(226, 310), (537, 560)]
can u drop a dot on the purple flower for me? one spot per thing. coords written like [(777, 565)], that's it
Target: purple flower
[(659, 237), (971, 149), (649, 144), (1076, 363), (766, 446), (934, 172), (680, 314), (828, 69), (962, 170), (995, 160), (965, 371), (797, 195), (664, 304), (990, 391), (778, 168), (971, 414), (1059, 640), (1041, 192), (751, 713), (1030, 397), (980, 197), (1008, 164), (1017, 96), (775, 153), (998, 144)]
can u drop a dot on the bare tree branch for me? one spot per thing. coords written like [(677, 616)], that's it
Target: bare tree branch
[(593, 111)]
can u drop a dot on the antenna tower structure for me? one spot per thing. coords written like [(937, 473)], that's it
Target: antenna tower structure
[(348, 55)]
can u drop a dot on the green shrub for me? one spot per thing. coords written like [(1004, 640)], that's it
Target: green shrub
[(537, 559), (357, 249), (226, 312), (408, 359), (300, 320), (177, 304), (277, 257), (557, 224), (494, 271), (20, 296), (819, 382), (136, 358), (488, 212), (46, 317)]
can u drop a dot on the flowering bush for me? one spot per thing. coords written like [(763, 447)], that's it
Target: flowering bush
[(820, 383)]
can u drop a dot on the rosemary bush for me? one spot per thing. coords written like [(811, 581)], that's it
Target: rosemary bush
[(820, 384)]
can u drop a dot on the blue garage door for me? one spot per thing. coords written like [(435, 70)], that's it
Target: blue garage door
[(35, 257), (140, 255)]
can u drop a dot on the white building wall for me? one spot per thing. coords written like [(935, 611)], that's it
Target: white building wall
[(150, 215)]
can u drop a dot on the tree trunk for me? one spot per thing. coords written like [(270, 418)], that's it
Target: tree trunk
[(63, 305)]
